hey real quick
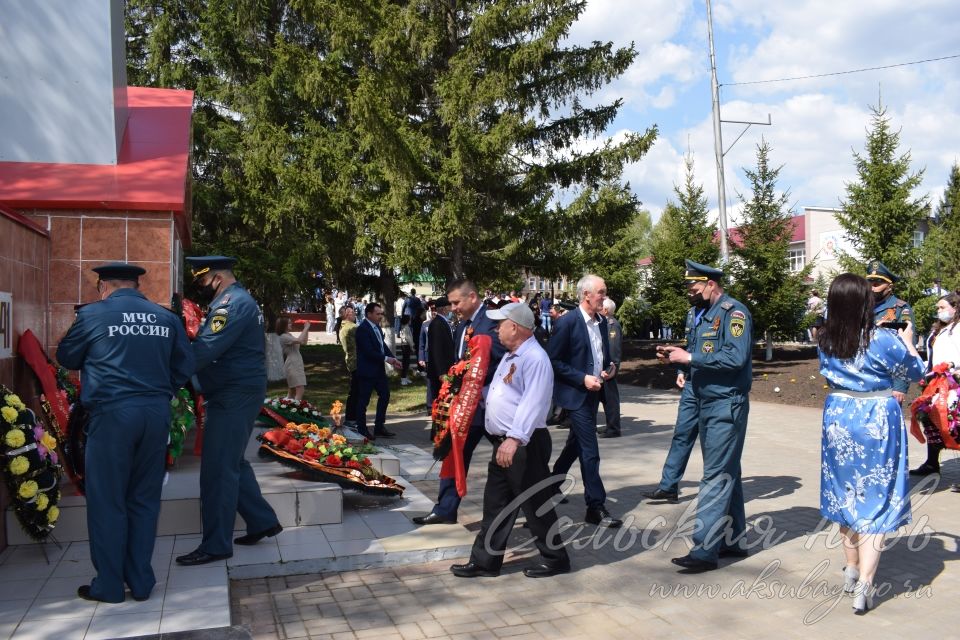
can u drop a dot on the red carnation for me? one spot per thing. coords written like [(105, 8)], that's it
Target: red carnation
[(366, 462), (293, 446), (311, 454), (333, 460), (353, 464)]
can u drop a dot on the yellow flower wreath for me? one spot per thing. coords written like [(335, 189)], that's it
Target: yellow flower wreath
[(14, 438), (9, 414)]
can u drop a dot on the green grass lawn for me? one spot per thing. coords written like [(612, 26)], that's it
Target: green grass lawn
[(327, 380)]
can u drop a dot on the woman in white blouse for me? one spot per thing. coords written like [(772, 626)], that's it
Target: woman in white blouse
[(943, 346)]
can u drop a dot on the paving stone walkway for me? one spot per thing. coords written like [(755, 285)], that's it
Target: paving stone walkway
[(622, 584)]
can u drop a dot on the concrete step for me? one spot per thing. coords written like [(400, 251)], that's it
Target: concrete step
[(298, 502)]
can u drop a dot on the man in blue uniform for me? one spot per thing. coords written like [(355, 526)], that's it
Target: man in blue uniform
[(686, 430), (230, 365), (133, 356), (889, 309), (718, 355)]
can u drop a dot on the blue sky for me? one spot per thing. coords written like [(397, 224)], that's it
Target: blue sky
[(816, 123)]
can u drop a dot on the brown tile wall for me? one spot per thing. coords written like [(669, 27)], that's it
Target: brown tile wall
[(24, 262), (83, 239)]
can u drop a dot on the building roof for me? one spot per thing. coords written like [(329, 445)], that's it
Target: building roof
[(151, 173), (799, 230)]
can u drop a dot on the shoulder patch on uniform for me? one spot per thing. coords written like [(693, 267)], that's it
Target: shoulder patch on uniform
[(613, 334), (739, 314), (225, 299), (737, 326), (218, 322), (220, 311), (707, 347), (726, 305)]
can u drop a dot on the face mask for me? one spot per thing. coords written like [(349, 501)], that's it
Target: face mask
[(206, 293), (697, 300), (945, 316)]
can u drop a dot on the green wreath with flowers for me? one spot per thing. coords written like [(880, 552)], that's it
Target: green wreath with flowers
[(31, 467)]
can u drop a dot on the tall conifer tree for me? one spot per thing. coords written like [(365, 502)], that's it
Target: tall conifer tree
[(880, 213), (683, 231), (760, 264)]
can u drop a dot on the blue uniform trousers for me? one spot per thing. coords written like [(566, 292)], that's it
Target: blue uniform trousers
[(228, 485), (721, 521), (582, 443), (448, 501), (125, 462), (681, 446)]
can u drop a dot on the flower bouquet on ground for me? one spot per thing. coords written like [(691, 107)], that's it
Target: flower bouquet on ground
[(31, 466), (935, 411), (327, 456), (278, 411)]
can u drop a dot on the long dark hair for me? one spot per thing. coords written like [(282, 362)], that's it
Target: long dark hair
[(952, 299), (849, 322)]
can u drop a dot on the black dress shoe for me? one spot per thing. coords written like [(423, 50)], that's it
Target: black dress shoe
[(926, 469), (544, 570), (733, 552), (141, 598), (201, 557), (84, 592), (433, 518), (690, 564), (471, 570), (660, 494), (383, 433), (601, 517), (254, 538), (609, 434)]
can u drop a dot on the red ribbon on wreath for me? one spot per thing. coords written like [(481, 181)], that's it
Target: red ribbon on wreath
[(463, 406), (935, 395)]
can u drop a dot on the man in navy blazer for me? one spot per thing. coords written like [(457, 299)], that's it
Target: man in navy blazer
[(466, 303), (580, 352), (372, 352)]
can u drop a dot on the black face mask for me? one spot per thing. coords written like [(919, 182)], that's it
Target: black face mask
[(205, 293), (697, 300)]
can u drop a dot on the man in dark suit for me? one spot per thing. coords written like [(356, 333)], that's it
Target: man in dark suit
[(371, 375), (610, 393), (467, 304), (439, 348), (580, 352)]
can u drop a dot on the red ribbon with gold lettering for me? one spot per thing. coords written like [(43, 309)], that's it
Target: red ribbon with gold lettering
[(462, 408)]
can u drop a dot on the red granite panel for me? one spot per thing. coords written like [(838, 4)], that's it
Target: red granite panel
[(65, 238), (155, 285), (148, 240), (103, 239), (65, 281), (88, 281), (61, 317)]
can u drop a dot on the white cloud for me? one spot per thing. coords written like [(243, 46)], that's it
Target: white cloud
[(816, 123)]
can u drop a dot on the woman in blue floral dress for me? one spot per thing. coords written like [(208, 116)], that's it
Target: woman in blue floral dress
[(863, 484)]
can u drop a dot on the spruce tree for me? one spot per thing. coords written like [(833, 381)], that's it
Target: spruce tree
[(491, 160), (941, 249), (363, 138), (683, 231), (760, 265), (880, 213)]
